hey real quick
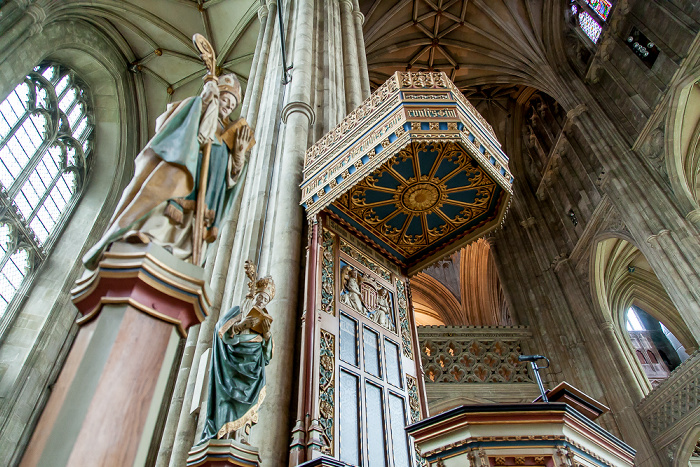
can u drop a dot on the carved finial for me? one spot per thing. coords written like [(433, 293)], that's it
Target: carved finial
[(207, 54)]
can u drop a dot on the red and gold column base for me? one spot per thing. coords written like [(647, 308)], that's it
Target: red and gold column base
[(104, 407), (223, 453)]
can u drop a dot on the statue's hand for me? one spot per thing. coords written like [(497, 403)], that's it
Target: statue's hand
[(243, 138), (210, 92), (246, 323)]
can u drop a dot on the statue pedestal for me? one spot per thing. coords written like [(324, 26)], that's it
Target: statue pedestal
[(223, 453), (136, 306)]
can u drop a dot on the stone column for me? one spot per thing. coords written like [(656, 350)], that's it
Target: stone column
[(103, 410), (268, 18), (263, 15), (361, 51), (353, 86), (286, 229)]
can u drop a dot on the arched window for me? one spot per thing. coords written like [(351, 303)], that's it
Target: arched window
[(590, 15), (652, 357), (45, 139), (640, 357)]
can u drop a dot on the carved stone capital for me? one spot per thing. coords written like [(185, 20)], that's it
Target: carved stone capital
[(263, 11), (694, 217), (346, 4), (301, 107), (38, 16), (358, 15)]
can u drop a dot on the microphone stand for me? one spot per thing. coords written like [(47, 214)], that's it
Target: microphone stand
[(533, 361)]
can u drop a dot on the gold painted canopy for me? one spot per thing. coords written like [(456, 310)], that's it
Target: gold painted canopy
[(415, 171)]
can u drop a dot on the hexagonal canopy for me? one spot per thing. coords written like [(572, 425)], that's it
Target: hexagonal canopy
[(415, 171)]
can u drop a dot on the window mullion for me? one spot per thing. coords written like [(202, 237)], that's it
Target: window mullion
[(44, 196), (14, 129), (28, 169)]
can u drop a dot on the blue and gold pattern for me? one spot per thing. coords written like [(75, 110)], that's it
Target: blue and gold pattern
[(415, 171), (429, 195)]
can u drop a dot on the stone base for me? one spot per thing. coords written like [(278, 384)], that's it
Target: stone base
[(223, 453)]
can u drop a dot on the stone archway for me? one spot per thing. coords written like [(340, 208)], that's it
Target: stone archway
[(622, 278), (682, 144)]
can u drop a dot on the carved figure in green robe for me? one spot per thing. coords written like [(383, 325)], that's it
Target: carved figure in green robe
[(158, 204), (241, 349)]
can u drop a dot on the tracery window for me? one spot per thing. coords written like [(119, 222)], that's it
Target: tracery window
[(590, 15), (46, 129)]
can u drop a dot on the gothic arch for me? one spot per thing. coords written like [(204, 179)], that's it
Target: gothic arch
[(687, 446), (621, 277), (682, 143)]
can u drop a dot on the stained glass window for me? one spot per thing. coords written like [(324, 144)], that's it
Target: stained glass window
[(584, 11), (589, 26), (601, 7), (45, 137)]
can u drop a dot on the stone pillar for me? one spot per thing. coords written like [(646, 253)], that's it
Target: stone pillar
[(285, 252), (303, 442), (353, 87), (136, 307), (263, 15), (361, 51), (251, 103)]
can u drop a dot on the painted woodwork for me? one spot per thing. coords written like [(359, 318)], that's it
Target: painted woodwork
[(551, 434), (415, 171)]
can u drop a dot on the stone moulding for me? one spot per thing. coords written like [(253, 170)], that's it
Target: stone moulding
[(408, 107)]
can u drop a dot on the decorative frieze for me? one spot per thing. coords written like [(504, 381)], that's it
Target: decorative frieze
[(327, 279), (413, 401), (326, 382), (361, 258), (403, 319), (473, 354)]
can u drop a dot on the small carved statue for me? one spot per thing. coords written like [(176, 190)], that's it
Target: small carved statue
[(242, 348), (169, 184), (351, 280), (381, 314)]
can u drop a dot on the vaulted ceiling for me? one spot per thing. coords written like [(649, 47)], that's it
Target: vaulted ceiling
[(155, 37), (474, 41)]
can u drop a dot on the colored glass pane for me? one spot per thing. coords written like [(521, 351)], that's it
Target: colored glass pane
[(601, 7), (589, 26)]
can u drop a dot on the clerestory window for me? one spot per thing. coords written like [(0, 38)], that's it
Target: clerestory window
[(590, 15), (46, 127)]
